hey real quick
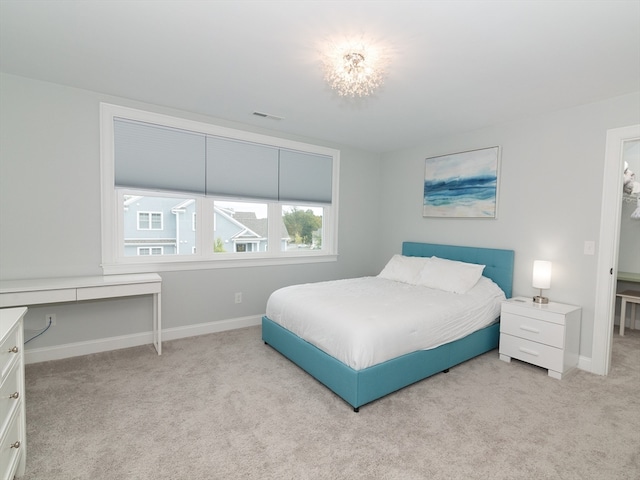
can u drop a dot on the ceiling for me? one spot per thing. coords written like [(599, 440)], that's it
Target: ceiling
[(454, 66)]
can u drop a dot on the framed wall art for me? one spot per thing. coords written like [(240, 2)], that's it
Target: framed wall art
[(462, 185)]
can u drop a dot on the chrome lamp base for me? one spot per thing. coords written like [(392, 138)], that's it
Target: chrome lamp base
[(540, 299)]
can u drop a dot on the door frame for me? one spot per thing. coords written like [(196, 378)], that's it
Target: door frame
[(607, 274)]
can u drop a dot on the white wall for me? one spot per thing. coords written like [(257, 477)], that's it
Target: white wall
[(549, 203), (50, 220)]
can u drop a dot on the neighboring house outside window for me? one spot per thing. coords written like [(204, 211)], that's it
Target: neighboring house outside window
[(235, 231), (241, 232), (174, 216)]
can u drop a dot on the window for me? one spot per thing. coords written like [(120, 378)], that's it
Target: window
[(168, 228), (240, 227), (179, 194), (150, 250), (303, 226), (149, 220)]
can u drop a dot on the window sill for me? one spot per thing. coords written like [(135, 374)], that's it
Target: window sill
[(178, 265)]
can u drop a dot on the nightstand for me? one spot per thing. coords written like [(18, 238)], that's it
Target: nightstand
[(546, 335)]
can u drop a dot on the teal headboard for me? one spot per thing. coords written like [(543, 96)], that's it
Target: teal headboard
[(499, 263)]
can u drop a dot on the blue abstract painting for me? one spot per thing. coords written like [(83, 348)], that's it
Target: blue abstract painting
[(462, 184)]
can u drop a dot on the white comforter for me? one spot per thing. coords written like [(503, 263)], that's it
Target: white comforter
[(366, 321)]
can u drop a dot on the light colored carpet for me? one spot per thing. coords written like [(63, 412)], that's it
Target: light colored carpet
[(226, 406)]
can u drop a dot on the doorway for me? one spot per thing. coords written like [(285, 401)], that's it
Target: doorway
[(609, 246)]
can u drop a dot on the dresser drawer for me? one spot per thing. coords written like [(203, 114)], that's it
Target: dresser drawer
[(11, 447), (529, 351), (10, 351), (532, 329), (10, 395)]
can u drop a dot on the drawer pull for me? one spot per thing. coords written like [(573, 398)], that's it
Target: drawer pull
[(14, 350), (530, 352), (14, 395), (529, 329), (16, 445)]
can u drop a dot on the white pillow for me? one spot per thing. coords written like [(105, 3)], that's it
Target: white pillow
[(449, 275), (403, 269)]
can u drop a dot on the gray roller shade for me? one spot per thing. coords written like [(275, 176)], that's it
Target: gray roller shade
[(155, 157), (305, 177), (241, 169), (158, 158)]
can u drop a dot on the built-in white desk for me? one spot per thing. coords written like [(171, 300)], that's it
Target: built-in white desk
[(14, 293)]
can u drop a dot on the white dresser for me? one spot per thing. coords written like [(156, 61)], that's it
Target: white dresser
[(546, 335), (13, 431)]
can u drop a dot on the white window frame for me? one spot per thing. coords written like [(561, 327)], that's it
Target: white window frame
[(113, 259)]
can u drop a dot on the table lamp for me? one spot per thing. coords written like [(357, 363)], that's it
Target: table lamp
[(541, 279)]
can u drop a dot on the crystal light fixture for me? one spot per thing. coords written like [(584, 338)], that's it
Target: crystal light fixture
[(354, 69)]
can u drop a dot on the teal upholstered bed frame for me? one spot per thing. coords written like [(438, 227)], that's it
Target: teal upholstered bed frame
[(359, 387)]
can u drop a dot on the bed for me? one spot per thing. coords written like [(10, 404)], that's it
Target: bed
[(369, 381)]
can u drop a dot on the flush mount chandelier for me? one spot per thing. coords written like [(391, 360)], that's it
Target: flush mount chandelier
[(354, 69)]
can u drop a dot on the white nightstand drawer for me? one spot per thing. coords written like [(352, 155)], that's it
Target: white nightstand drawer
[(550, 312), (532, 352), (532, 329)]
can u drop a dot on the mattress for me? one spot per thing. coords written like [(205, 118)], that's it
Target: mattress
[(369, 320)]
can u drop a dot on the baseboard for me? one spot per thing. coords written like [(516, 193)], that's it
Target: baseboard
[(584, 363), (210, 327), (69, 350), (616, 324)]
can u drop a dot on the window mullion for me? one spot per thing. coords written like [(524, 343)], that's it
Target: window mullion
[(274, 212), (204, 227)]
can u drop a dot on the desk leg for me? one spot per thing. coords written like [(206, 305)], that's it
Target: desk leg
[(157, 322), (623, 314)]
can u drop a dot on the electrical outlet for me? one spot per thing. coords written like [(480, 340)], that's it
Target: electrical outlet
[(238, 297), (50, 318)]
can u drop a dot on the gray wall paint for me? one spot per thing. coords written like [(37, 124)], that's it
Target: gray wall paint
[(549, 203), (550, 198), (50, 219)]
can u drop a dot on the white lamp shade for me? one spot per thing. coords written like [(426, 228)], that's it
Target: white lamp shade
[(541, 274)]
